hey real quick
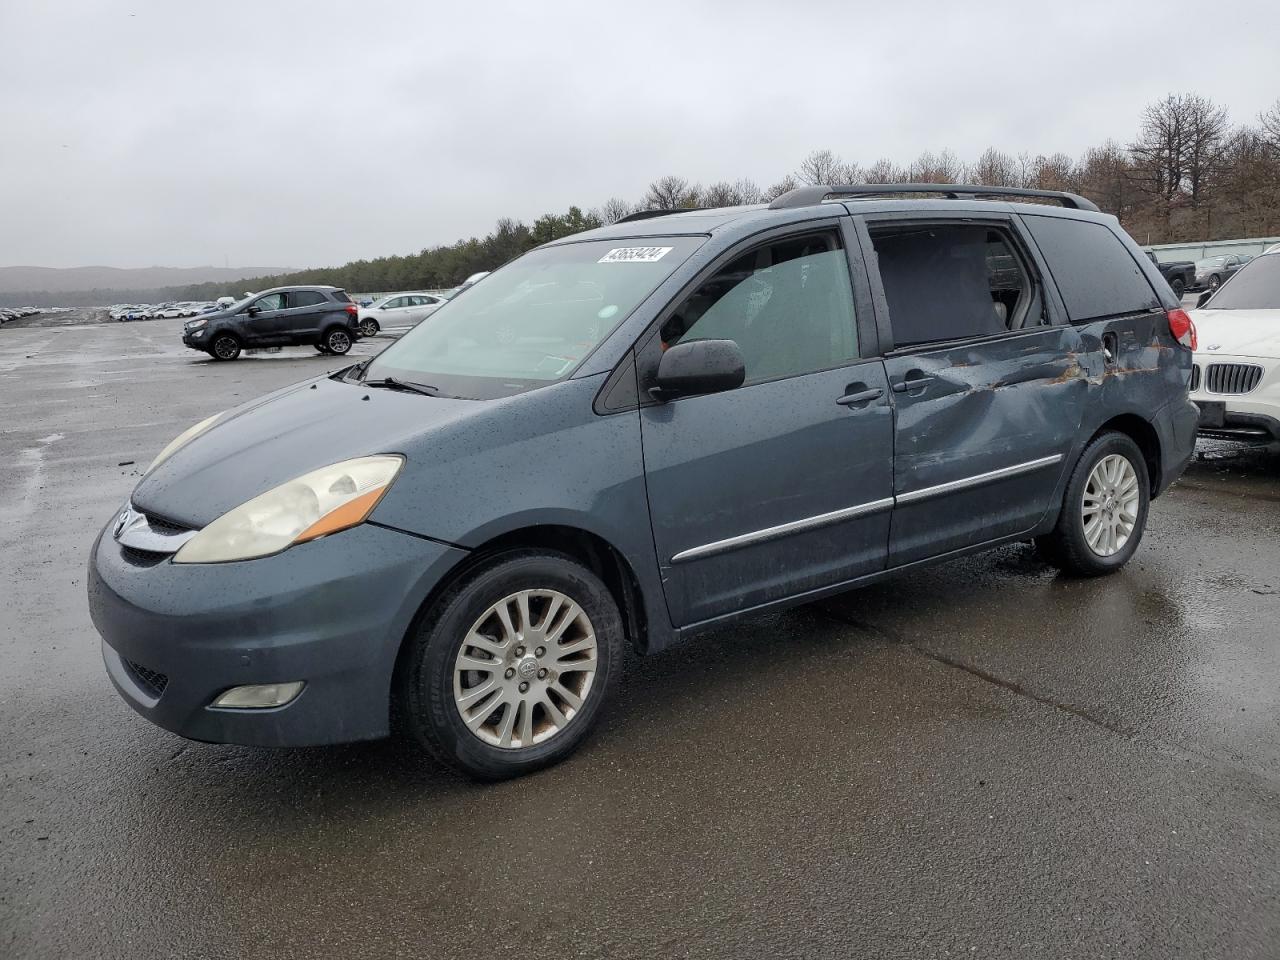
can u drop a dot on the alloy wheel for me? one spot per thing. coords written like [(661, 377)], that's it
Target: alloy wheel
[(338, 342), (525, 669), (225, 348), (1110, 505)]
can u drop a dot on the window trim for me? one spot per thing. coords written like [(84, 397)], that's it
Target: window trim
[(647, 355), (1031, 263)]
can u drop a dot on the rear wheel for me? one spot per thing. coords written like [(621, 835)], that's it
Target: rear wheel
[(369, 327), (224, 347), (1104, 509), (1178, 287), (509, 670), (337, 340)]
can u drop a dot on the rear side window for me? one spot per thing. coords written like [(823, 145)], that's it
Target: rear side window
[(1094, 271), (305, 298), (947, 282), (340, 296), (788, 305)]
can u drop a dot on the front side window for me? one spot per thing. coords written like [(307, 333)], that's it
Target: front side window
[(272, 301), (1255, 286), (394, 303), (788, 305), (947, 282), (532, 322)]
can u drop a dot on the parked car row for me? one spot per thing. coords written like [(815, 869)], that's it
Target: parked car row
[(160, 311), (16, 313)]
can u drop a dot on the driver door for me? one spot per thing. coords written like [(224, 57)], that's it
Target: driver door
[(265, 318), (783, 485)]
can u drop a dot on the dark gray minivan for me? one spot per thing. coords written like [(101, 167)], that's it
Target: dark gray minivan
[(635, 434)]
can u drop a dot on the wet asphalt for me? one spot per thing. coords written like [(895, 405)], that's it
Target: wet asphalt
[(983, 759)]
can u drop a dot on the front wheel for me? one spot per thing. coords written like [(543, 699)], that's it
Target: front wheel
[(224, 347), (369, 327), (509, 670), (337, 341), (1215, 282), (1178, 287), (1104, 509)]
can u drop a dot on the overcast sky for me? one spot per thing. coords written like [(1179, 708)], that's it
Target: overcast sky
[(193, 132)]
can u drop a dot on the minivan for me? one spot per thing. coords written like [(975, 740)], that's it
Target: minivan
[(636, 434)]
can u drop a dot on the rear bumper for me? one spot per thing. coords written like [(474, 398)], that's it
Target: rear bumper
[(1175, 425), (331, 613)]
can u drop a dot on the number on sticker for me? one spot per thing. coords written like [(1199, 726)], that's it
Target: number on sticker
[(634, 255)]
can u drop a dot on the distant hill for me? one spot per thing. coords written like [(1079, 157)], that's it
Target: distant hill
[(74, 279)]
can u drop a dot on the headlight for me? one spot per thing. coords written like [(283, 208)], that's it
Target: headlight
[(196, 324), (185, 437), (314, 505)]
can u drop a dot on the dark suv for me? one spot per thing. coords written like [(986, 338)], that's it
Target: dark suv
[(636, 434), (323, 317)]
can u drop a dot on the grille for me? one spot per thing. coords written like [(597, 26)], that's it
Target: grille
[(1232, 377), (1195, 377), (164, 526), (150, 680), (141, 558)]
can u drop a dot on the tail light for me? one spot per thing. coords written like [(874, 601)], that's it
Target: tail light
[(1183, 329), (352, 309)]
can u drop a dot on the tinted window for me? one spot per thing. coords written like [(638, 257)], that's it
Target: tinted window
[(788, 305), (953, 282), (1256, 286), (305, 298), (272, 301), (1094, 271), (340, 296)]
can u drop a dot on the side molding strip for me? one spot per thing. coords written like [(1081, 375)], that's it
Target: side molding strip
[(782, 530), (913, 496), (861, 510)]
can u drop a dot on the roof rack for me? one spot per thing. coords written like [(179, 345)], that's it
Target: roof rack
[(649, 214), (808, 196)]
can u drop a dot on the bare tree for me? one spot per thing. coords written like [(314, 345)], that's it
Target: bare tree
[(995, 168), (670, 193), (725, 194), (884, 171), (1270, 121), (782, 186), (935, 168), (821, 166), (612, 210), (1054, 172), (1104, 176)]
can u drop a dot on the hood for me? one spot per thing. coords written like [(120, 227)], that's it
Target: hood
[(1239, 333), (271, 440)]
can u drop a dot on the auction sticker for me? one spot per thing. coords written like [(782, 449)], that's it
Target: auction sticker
[(634, 255)]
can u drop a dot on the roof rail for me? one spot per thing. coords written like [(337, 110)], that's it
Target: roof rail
[(808, 196), (649, 214)]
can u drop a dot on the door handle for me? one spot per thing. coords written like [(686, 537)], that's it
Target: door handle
[(862, 396), (914, 380)]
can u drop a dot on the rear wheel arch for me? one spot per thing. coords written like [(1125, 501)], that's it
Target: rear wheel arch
[(1141, 432)]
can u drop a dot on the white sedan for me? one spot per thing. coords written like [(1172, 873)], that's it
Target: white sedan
[(398, 311), (1236, 378)]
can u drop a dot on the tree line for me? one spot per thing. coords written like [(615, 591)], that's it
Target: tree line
[(1189, 174)]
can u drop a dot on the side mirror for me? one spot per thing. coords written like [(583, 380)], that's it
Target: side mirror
[(699, 366), (1203, 298)]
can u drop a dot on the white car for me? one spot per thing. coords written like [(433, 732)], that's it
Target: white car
[(168, 313), (397, 311), (1236, 377)]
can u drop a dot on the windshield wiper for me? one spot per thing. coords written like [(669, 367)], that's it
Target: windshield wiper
[(391, 383)]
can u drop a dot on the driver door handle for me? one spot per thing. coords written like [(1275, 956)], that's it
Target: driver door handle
[(914, 380), (862, 396)]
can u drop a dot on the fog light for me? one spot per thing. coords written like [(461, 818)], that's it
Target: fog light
[(259, 696)]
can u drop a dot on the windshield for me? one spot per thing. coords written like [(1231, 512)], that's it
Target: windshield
[(1255, 286), (532, 322)]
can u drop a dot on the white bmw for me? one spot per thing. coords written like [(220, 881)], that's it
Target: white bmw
[(1236, 377)]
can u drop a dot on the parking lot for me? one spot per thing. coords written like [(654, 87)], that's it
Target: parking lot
[(979, 759)]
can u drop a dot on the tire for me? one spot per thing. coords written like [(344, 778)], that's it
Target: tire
[(1178, 287), (321, 347), (1215, 282), (430, 682), (224, 347), (1090, 551), (369, 327), (336, 341)]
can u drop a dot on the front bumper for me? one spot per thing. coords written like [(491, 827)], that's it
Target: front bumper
[(331, 613), (1254, 415), (196, 339)]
